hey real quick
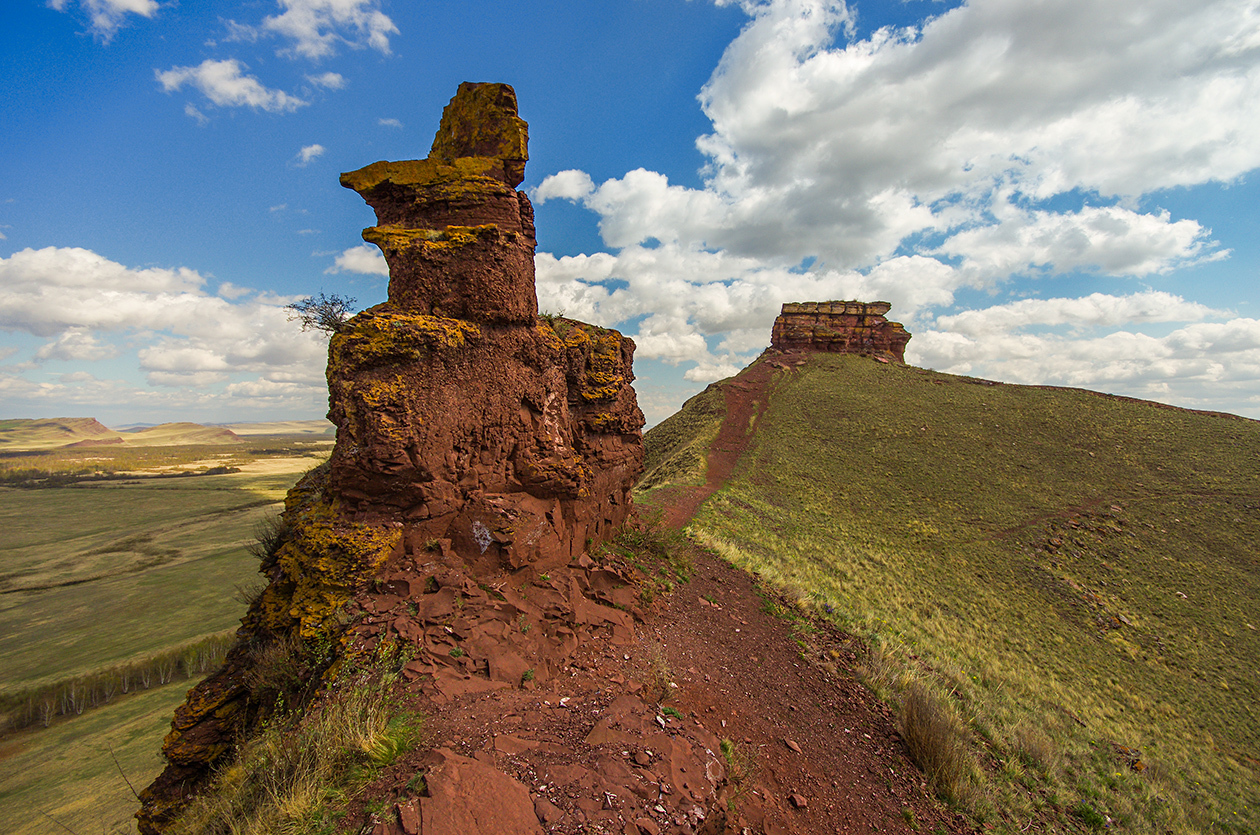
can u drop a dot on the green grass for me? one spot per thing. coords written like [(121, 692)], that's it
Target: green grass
[(1026, 550), (94, 576), (676, 448), (297, 773), (67, 771)]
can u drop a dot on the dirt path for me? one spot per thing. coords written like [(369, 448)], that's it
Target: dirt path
[(746, 397), (824, 755), (790, 701), (591, 750)]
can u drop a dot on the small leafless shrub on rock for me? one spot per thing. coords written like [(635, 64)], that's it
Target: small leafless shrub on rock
[(322, 313)]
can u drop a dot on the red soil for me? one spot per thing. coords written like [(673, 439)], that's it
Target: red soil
[(745, 401)]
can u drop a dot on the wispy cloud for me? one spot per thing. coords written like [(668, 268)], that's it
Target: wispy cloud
[(107, 16), (193, 113), (330, 80), (316, 27), (389, 123), (307, 154)]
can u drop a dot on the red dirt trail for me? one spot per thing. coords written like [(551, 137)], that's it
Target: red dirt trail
[(745, 401)]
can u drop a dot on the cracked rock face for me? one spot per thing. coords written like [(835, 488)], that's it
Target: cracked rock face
[(842, 327), (467, 428)]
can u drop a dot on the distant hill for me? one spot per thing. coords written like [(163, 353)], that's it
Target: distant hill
[(178, 434), (319, 427), (1077, 573), (35, 435), (50, 433), (22, 435)]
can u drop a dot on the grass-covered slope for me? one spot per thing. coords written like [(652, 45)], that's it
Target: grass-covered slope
[(1078, 572), (675, 449)]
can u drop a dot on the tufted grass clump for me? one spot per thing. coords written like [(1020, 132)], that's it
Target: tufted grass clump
[(936, 738), (295, 774)]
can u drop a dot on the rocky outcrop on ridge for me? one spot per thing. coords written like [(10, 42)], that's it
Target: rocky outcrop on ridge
[(481, 453), (842, 327)]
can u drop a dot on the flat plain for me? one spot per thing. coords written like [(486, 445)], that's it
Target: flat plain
[(112, 556)]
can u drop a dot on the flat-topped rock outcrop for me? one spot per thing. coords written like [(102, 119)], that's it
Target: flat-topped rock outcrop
[(842, 327)]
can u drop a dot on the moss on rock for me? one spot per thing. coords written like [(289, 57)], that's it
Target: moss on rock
[(325, 559), (385, 335)]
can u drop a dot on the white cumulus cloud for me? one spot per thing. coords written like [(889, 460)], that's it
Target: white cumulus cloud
[(1096, 309), (225, 84), (567, 185), (91, 308), (75, 344), (995, 142), (1200, 365), (364, 259)]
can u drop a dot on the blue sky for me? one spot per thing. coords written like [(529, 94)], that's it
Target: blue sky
[(1058, 192)]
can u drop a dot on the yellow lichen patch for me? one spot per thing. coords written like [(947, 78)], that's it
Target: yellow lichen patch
[(481, 120), (601, 422), (548, 334), (386, 409), (382, 395), (605, 375), (383, 335), (423, 172), (574, 334), (397, 238), (325, 559)]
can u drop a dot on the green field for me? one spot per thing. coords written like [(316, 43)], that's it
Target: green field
[(65, 778), (95, 575), (1071, 569), (102, 574)]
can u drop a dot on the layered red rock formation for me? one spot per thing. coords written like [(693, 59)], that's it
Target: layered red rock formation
[(844, 327), (480, 453), (458, 411)]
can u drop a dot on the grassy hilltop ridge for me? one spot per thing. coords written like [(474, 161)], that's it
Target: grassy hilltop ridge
[(1077, 571)]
